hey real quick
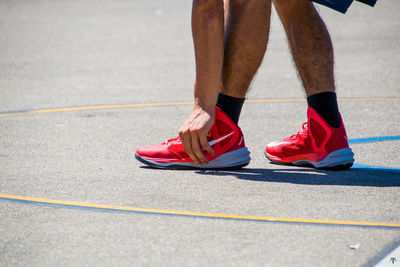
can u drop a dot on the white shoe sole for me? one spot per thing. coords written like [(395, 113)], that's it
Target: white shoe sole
[(231, 160), (339, 159)]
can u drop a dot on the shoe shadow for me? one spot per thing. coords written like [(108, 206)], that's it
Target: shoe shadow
[(356, 176)]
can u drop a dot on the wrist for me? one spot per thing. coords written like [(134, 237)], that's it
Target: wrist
[(207, 105), (205, 97)]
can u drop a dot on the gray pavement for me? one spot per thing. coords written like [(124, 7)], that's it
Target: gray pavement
[(86, 53)]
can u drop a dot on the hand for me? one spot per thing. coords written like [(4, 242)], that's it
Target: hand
[(193, 134)]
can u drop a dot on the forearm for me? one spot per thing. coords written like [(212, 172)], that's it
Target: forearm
[(208, 39)]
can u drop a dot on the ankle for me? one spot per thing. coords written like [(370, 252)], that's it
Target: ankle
[(231, 106), (327, 107)]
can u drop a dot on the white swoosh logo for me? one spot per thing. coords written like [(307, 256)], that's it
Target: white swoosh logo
[(213, 142)]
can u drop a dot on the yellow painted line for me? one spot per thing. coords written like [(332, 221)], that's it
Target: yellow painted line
[(370, 99), (94, 108), (189, 213), (13, 114), (53, 110), (365, 99)]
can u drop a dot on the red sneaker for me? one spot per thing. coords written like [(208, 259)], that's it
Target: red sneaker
[(317, 144), (225, 137)]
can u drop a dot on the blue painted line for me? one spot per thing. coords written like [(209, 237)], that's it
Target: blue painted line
[(368, 167), (76, 207), (15, 111), (374, 139), (370, 140)]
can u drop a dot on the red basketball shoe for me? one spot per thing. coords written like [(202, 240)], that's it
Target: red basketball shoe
[(225, 137), (317, 144)]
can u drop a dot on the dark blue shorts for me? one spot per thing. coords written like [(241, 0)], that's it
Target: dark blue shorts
[(342, 5)]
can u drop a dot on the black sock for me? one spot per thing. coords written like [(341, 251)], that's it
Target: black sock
[(326, 105), (232, 106)]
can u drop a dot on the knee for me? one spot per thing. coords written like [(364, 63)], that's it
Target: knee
[(208, 6)]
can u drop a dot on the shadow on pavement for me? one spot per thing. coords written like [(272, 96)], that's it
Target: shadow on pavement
[(356, 176)]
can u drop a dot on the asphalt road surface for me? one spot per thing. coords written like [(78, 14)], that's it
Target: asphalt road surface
[(78, 85)]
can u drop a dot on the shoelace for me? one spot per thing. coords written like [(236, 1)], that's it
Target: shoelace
[(173, 140), (178, 139), (301, 135)]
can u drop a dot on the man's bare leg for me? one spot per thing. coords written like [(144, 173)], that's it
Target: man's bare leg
[(310, 44), (312, 53), (246, 37)]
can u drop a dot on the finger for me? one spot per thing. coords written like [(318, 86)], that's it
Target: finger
[(187, 145), (205, 145), (197, 149)]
